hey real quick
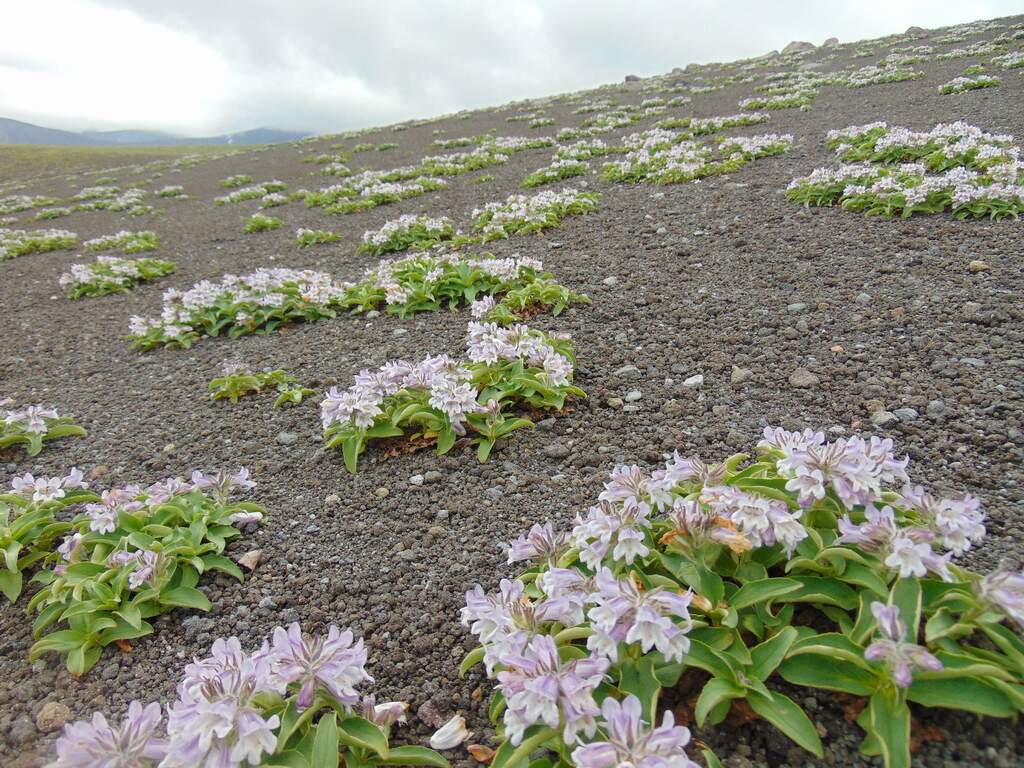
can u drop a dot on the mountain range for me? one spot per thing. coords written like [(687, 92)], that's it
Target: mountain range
[(18, 132)]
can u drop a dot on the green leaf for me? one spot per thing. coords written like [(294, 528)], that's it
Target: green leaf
[(185, 597), (357, 732), (821, 591), (473, 658), (325, 744), (711, 759), (906, 594), (711, 661), (445, 440), (889, 721), (817, 671), (769, 654), (413, 755), (508, 756), (715, 692), (638, 678), (784, 714), (350, 451), (11, 584), (763, 590), (963, 693)]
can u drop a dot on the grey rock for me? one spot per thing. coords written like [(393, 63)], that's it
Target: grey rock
[(906, 415), (632, 78), (936, 409), (52, 716), (740, 375), (863, 298), (694, 382), (416, 480), (832, 42), (555, 450), (633, 395), (797, 46), (801, 378), (493, 493), (628, 372), (611, 280), (883, 418), (286, 438), (796, 307), (432, 476)]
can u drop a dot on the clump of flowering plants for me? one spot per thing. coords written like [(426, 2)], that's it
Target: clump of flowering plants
[(260, 222), (558, 170), (34, 425), (128, 242), (111, 274), (407, 231), (20, 242), (238, 180), (293, 702), (427, 282), (256, 303), (440, 399), (135, 553), (521, 215), (305, 238), (961, 84), (892, 171), (816, 562), (238, 380)]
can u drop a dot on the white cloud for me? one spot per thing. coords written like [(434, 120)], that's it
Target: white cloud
[(204, 66)]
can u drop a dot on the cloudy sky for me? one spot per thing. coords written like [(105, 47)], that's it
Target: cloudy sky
[(212, 66)]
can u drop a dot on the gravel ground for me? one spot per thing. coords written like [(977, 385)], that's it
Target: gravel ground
[(690, 279)]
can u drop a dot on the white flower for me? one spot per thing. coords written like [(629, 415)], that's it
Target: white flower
[(450, 735)]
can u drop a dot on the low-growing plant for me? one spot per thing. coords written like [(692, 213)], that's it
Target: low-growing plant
[(238, 180), (805, 563), (483, 178), (384, 147), (33, 426), (134, 554), (273, 200), (111, 274), (260, 222), (1012, 60), (779, 101), (871, 75), (18, 203), (558, 170), (961, 84), (260, 302), (238, 380), (293, 702), (47, 214), (427, 282), (365, 147), (20, 242), (125, 241), (255, 192), (441, 399), (175, 191), (307, 237), (520, 215), (407, 231), (892, 171)]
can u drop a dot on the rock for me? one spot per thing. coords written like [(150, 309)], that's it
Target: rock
[(796, 307), (416, 480), (628, 372), (977, 266), (97, 472), (614, 402), (251, 559), (694, 382), (381, 493), (632, 78), (331, 499), (52, 716), (493, 493), (863, 298), (430, 715), (971, 309), (916, 32), (611, 280), (432, 476), (740, 375), (555, 450), (936, 409), (399, 332), (286, 438), (883, 418), (633, 395), (373, 314), (906, 415), (801, 378), (832, 42), (661, 231), (797, 46)]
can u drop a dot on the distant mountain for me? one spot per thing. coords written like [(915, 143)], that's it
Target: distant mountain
[(18, 132)]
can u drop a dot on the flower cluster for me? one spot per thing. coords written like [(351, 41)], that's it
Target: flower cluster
[(443, 399), (19, 242), (407, 231), (34, 425), (18, 203), (236, 181), (132, 554), (260, 222), (236, 306), (111, 274), (307, 237), (520, 214), (172, 190), (818, 562), (295, 696), (888, 73), (127, 242), (961, 84), (238, 380), (372, 188), (558, 170), (954, 166), (1012, 60), (254, 192), (779, 100)]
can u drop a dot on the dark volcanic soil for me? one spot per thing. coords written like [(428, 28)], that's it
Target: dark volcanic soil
[(708, 276)]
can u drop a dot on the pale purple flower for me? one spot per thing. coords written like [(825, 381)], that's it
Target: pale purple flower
[(541, 543), (902, 657), (69, 546), (1004, 590), (98, 744), (957, 522), (655, 618), (384, 715), (481, 307), (629, 742), (618, 529), (222, 485), (763, 521), (700, 526), (334, 664), (539, 687)]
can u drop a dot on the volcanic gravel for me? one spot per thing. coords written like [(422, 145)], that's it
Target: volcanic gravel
[(701, 278)]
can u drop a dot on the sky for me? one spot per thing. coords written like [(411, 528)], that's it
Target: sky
[(200, 67)]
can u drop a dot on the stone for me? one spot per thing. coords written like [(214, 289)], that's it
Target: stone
[(632, 78), (611, 280), (381, 492), (801, 378), (493, 493), (797, 46), (661, 231), (416, 480), (633, 395), (251, 559), (796, 307), (740, 375), (628, 372), (863, 298), (331, 499), (832, 42), (97, 472), (916, 32), (883, 418), (936, 409), (614, 402), (286, 438), (555, 450), (906, 415), (52, 716), (432, 476), (694, 382), (977, 266), (399, 332)]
